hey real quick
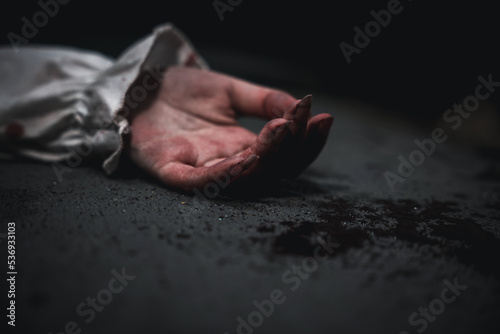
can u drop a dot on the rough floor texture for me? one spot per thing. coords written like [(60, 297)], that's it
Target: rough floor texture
[(336, 249)]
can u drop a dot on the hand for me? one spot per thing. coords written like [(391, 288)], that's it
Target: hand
[(188, 135)]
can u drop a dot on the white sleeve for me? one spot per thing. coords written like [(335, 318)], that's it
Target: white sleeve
[(64, 105)]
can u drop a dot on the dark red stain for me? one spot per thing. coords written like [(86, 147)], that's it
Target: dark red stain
[(14, 130), (461, 238), (191, 60)]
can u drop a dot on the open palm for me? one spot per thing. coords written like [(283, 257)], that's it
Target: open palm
[(189, 135)]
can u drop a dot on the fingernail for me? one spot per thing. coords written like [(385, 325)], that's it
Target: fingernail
[(306, 100), (284, 126), (282, 131), (249, 161)]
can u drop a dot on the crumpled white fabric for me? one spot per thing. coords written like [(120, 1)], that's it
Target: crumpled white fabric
[(60, 104)]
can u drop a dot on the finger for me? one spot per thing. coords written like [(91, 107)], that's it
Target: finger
[(249, 99), (265, 146), (314, 141), (300, 116), (269, 139), (188, 178)]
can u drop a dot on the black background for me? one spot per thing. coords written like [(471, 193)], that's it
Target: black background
[(424, 61), (427, 59)]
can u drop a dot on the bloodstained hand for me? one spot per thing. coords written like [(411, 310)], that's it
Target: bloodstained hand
[(188, 135)]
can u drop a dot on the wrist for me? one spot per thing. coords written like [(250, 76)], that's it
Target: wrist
[(139, 97)]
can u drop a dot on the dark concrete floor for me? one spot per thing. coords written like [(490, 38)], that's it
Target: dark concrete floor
[(200, 264)]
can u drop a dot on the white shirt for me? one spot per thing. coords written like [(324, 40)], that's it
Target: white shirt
[(63, 105)]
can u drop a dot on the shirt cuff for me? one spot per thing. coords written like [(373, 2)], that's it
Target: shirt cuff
[(64, 104)]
